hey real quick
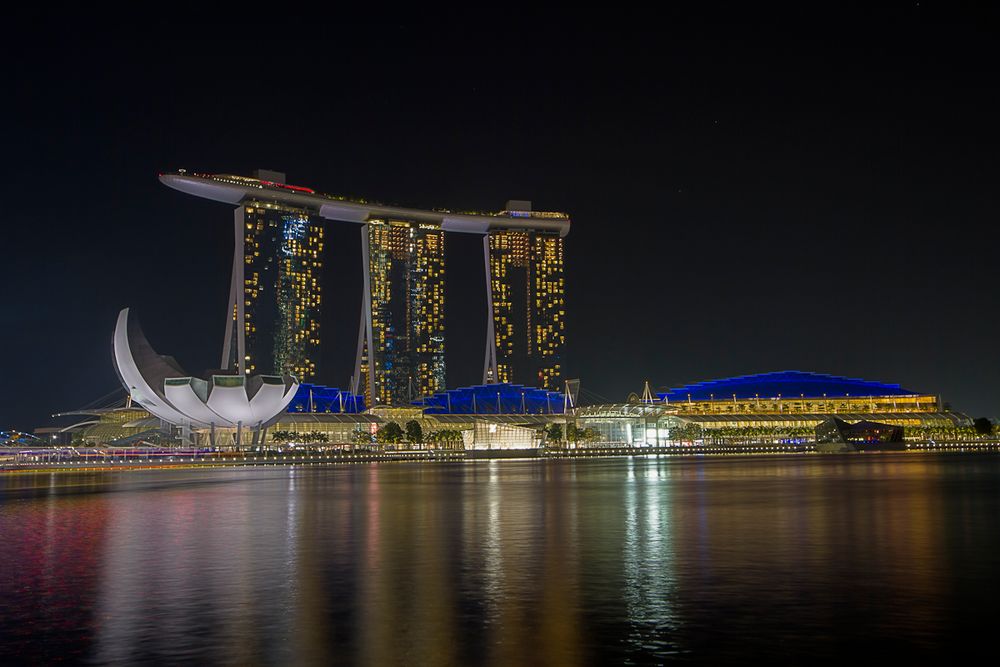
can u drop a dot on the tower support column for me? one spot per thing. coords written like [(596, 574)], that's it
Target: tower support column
[(235, 359), (490, 361), (365, 342)]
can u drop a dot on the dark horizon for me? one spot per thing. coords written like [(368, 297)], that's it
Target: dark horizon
[(744, 199)]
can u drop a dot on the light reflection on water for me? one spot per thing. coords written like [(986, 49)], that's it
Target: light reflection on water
[(647, 560), (506, 563)]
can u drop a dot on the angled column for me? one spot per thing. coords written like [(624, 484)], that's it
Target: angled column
[(234, 344), (364, 363)]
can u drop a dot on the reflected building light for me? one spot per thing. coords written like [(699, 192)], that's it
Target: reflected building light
[(493, 553), (648, 560)]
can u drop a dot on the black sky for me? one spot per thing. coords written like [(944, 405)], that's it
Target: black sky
[(746, 197)]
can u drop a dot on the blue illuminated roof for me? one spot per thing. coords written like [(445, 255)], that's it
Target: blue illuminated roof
[(493, 399), (319, 398), (788, 384)]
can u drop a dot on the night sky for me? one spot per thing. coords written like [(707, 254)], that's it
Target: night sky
[(745, 197)]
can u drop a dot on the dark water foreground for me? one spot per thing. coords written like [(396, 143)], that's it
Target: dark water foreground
[(613, 561)]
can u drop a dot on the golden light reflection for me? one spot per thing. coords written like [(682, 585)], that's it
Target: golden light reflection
[(515, 562)]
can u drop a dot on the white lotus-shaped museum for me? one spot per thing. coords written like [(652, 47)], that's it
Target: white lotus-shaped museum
[(158, 384)]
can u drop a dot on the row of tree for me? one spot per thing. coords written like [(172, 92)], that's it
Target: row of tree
[(981, 428), (413, 433), (284, 437), (750, 434), (554, 433)]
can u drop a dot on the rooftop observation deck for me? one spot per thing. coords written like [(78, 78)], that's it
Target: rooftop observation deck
[(233, 189)]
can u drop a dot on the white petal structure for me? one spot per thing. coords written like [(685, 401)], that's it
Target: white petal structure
[(158, 384)]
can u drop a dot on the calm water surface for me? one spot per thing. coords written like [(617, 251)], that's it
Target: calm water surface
[(610, 561)]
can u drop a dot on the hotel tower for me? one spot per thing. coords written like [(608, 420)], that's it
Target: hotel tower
[(526, 292), (272, 323), (401, 337), (275, 295)]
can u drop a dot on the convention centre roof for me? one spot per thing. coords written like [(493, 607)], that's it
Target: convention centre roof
[(787, 384)]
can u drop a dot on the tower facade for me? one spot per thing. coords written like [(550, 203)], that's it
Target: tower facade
[(526, 294), (275, 298), (273, 314), (401, 341)]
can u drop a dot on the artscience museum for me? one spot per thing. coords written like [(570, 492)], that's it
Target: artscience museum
[(221, 404)]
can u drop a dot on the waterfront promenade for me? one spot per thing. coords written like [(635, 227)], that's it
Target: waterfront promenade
[(77, 459)]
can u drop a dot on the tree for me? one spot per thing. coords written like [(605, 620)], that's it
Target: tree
[(983, 426), (414, 432), (687, 432), (554, 432), (391, 433), (444, 436), (281, 437), (571, 432)]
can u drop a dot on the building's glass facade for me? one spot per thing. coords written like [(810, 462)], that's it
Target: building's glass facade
[(527, 288), (406, 275), (282, 295)]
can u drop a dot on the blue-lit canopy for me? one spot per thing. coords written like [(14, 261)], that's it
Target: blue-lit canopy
[(787, 384), (319, 398), (493, 399)]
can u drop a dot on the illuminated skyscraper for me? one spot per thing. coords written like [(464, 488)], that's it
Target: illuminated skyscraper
[(275, 296), (526, 291), (273, 316), (401, 340)]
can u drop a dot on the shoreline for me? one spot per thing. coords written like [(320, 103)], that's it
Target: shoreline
[(217, 460)]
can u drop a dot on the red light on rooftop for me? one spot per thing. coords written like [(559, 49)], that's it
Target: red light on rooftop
[(299, 188)]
